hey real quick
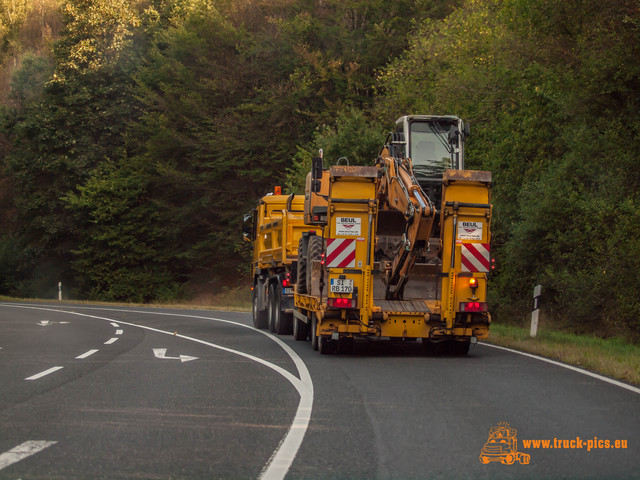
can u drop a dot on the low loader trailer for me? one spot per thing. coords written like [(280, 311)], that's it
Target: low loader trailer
[(387, 260)]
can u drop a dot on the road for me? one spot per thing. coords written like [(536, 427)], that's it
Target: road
[(94, 392)]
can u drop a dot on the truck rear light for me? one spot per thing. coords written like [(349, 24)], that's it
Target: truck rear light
[(474, 307), (286, 282), (341, 302)]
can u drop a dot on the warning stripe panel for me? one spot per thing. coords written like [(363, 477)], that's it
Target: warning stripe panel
[(341, 253), (476, 257)]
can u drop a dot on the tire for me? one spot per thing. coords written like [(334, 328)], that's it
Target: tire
[(271, 309), (314, 252), (460, 348), (326, 346), (282, 321), (346, 346), (484, 460), (301, 277), (260, 319), (314, 331), (434, 348), (300, 330)]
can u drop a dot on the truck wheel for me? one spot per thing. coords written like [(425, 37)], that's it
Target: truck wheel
[(314, 252), (460, 348), (259, 316), (484, 460), (271, 309), (301, 282), (314, 331), (282, 321), (326, 346), (300, 330)]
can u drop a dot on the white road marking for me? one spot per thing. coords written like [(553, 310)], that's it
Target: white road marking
[(113, 324), (87, 354), (119, 332), (162, 354), (45, 373), (46, 323), (23, 451), (569, 367), (282, 458), (111, 340)]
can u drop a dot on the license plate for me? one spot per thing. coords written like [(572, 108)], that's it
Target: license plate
[(341, 285), (287, 290)]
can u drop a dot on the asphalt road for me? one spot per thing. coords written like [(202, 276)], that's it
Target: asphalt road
[(91, 392)]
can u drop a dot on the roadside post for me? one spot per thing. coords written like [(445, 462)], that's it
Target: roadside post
[(59, 291), (535, 314)]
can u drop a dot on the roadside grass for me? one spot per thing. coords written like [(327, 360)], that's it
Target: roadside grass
[(613, 357), (232, 299)]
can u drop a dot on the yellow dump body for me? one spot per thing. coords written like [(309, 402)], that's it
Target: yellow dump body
[(277, 231)]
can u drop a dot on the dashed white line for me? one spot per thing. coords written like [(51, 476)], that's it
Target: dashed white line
[(23, 451), (111, 340), (86, 354), (113, 324), (119, 332), (42, 374)]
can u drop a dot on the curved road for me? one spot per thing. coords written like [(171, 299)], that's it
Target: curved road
[(107, 392)]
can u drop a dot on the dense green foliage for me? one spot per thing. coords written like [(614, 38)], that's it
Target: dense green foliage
[(132, 146)]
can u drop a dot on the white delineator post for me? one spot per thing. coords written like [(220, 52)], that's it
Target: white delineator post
[(536, 310), (60, 291)]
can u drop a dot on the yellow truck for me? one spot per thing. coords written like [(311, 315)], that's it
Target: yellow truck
[(275, 227), (397, 250)]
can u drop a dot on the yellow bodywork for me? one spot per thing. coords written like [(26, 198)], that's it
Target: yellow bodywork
[(352, 196), (277, 231)]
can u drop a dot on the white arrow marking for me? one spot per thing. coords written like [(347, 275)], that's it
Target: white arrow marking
[(22, 451), (161, 353)]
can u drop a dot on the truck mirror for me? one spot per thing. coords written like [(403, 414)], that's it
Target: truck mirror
[(247, 227), (316, 174)]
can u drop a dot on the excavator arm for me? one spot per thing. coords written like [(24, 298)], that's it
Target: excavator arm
[(398, 190), (412, 164)]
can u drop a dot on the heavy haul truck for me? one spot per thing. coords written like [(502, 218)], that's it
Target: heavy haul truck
[(275, 227), (396, 250)]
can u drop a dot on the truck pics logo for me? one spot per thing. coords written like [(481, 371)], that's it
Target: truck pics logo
[(502, 446)]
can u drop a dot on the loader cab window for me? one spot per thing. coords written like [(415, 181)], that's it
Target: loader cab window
[(429, 149)]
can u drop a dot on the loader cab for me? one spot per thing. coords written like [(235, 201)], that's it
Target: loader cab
[(433, 143)]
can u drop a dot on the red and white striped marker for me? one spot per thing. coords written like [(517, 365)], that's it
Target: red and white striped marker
[(341, 253), (476, 257)]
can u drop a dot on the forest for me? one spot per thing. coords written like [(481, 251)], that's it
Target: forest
[(135, 133)]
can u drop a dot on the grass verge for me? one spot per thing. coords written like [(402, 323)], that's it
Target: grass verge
[(613, 357)]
